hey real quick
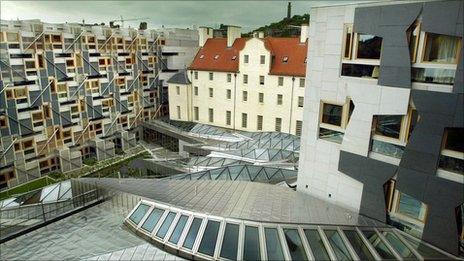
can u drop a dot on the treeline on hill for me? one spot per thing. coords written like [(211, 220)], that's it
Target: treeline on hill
[(284, 28)]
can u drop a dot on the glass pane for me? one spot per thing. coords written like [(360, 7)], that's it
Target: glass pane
[(441, 48), (152, 219), (411, 207), (369, 46), (387, 148), (360, 70), (316, 244), (388, 125), (208, 241), (398, 245), (358, 245), (251, 249), (337, 244), (454, 139), (192, 234), (332, 114), (330, 135), (378, 244), (273, 246), (166, 224), (139, 213), (451, 164), (433, 75), (425, 251), (230, 242), (178, 229), (295, 246)]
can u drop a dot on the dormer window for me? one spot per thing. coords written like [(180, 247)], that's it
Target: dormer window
[(285, 59), (306, 59), (202, 56), (234, 57), (216, 56)]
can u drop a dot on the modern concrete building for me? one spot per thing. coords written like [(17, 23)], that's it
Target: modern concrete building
[(71, 91), (383, 121), (254, 84)]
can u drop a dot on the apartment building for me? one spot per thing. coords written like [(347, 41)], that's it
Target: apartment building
[(249, 84), (72, 91), (383, 132)]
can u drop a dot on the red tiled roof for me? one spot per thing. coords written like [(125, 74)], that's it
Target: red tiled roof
[(279, 48)]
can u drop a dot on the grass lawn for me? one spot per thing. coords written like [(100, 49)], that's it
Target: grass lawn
[(35, 184)]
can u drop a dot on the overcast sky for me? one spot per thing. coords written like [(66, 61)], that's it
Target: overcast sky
[(248, 14)]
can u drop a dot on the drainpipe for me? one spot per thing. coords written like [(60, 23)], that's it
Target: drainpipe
[(235, 97), (291, 106), (191, 96)]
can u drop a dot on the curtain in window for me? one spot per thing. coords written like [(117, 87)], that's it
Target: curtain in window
[(441, 48)]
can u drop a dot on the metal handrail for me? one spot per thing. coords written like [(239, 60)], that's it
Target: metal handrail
[(35, 40)]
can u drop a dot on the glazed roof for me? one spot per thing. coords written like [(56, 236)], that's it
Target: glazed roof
[(227, 58)]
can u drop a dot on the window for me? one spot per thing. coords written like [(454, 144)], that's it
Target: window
[(228, 117), (335, 240), (279, 99), (262, 59), (298, 128), (40, 61), (3, 122), (441, 48), (410, 207), (348, 41), (177, 232), (413, 39), (230, 242), (178, 112), (316, 244), (195, 90), (245, 58), (368, 46), (332, 114), (261, 80), (302, 82), (195, 75), (452, 153), (229, 77), (178, 90), (211, 76), (208, 241), (261, 97), (244, 120), (228, 94), (358, 245), (295, 245), (245, 96), (300, 101), (251, 249), (361, 70), (245, 79), (192, 233), (273, 245), (211, 115), (216, 57), (259, 124), (278, 124), (195, 113), (152, 219), (211, 92), (388, 125), (139, 213), (163, 230), (280, 81), (333, 120)]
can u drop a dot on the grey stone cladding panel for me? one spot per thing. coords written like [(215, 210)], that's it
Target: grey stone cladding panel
[(13, 117), (35, 98), (25, 126), (50, 63), (442, 17), (61, 70)]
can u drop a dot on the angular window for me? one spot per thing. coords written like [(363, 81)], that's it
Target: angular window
[(244, 120), (332, 114), (273, 245), (298, 128), (280, 81), (279, 99), (360, 70), (388, 125), (316, 244), (259, 124), (261, 80), (262, 59), (152, 219), (337, 244), (244, 96), (413, 39), (433, 75), (441, 48), (261, 97), (300, 101), (278, 124), (230, 242), (196, 113), (358, 245), (211, 76), (228, 117), (163, 230), (139, 213), (245, 79), (399, 246), (295, 245), (229, 77), (192, 234), (245, 58), (228, 94), (368, 46), (177, 232), (3, 122), (211, 115), (208, 241), (348, 41), (251, 249), (302, 82), (211, 92), (452, 153), (411, 207)]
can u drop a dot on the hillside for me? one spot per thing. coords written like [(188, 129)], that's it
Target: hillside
[(283, 28)]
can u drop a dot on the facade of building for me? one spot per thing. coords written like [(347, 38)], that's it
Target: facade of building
[(254, 84), (383, 121), (71, 91)]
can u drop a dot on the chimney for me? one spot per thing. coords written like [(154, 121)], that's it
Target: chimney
[(204, 34), (233, 32), (289, 10), (260, 34), (304, 33)]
